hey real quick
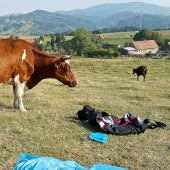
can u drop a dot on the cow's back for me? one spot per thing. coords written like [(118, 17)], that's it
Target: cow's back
[(141, 70), (15, 59)]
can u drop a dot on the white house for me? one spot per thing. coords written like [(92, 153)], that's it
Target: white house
[(145, 47)]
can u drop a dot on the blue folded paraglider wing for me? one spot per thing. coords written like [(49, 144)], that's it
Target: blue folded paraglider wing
[(99, 137), (34, 162)]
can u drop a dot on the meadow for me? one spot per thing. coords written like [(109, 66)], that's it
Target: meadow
[(120, 38), (51, 127)]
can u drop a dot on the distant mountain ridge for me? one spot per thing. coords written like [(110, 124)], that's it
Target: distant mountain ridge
[(105, 10), (102, 16)]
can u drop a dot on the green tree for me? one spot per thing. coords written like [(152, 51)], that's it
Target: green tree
[(14, 37), (68, 46), (148, 35), (82, 40), (52, 42), (166, 45), (48, 46), (41, 38), (158, 38), (142, 35), (59, 39)]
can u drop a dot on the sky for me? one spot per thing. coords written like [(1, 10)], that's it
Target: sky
[(25, 6)]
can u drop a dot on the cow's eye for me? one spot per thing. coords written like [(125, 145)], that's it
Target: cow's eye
[(67, 69)]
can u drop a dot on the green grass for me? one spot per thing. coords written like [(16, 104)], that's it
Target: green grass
[(50, 127), (119, 38)]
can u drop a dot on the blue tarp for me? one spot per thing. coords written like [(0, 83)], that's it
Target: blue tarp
[(34, 162)]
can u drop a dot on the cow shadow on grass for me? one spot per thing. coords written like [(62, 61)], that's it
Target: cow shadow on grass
[(85, 124), (5, 106)]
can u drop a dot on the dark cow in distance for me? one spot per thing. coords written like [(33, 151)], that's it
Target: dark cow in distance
[(23, 66), (140, 71)]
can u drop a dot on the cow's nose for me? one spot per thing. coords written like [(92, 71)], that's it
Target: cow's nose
[(73, 83)]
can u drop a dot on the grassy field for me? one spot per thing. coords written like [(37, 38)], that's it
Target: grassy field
[(51, 128), (119, 38)]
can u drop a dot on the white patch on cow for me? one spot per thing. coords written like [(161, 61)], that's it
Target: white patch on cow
[(18, 93), (20, 85), (24, 55)]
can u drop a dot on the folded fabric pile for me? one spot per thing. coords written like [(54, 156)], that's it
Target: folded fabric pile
[(129, 124)]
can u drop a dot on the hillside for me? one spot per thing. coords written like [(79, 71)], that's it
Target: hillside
[(41, 22), (96, 17)]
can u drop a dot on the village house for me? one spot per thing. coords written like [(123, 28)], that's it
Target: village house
[(100, 37), (145, 47), (128, 50)]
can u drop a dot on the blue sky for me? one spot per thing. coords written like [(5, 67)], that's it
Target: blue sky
[(25, 6)]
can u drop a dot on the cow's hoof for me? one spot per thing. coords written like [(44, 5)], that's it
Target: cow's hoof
[(23, 110)]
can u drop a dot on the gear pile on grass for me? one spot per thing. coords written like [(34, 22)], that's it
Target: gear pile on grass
[(129, 124)]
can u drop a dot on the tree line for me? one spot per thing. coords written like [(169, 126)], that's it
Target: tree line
[(81, 43), (84, 43)]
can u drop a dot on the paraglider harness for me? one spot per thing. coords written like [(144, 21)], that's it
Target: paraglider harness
[(128, 124)]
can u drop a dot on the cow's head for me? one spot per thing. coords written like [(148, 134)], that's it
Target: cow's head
[(134, 71), (63, 72)]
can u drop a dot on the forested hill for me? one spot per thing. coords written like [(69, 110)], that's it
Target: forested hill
[(97, 17), (41, 22)]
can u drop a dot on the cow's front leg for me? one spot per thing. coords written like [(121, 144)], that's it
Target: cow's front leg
[(15, 104), (18, 91)]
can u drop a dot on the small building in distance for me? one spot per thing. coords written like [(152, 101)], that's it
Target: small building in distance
[(146, 47), (107, 46), (128, 50)]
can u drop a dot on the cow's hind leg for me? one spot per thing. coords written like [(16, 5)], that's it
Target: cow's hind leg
[(144, 78), (18, 91)]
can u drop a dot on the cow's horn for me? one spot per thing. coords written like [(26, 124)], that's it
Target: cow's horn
[(66, 57)]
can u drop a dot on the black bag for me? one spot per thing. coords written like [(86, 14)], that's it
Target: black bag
[(90, 114), (84, 113)]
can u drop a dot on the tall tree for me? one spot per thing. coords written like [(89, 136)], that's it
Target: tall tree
[(52, 41), (41, 38), (59, 39), (81, 41)]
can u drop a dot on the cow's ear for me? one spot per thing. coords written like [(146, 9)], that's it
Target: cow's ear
[(58, 63)]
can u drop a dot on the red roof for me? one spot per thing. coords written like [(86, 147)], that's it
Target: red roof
[(107, 46), (146, 44)]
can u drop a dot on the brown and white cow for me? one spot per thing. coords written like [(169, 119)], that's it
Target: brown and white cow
[(23, 65)]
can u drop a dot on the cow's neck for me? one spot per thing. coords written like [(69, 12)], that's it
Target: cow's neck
[(43, 68)]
